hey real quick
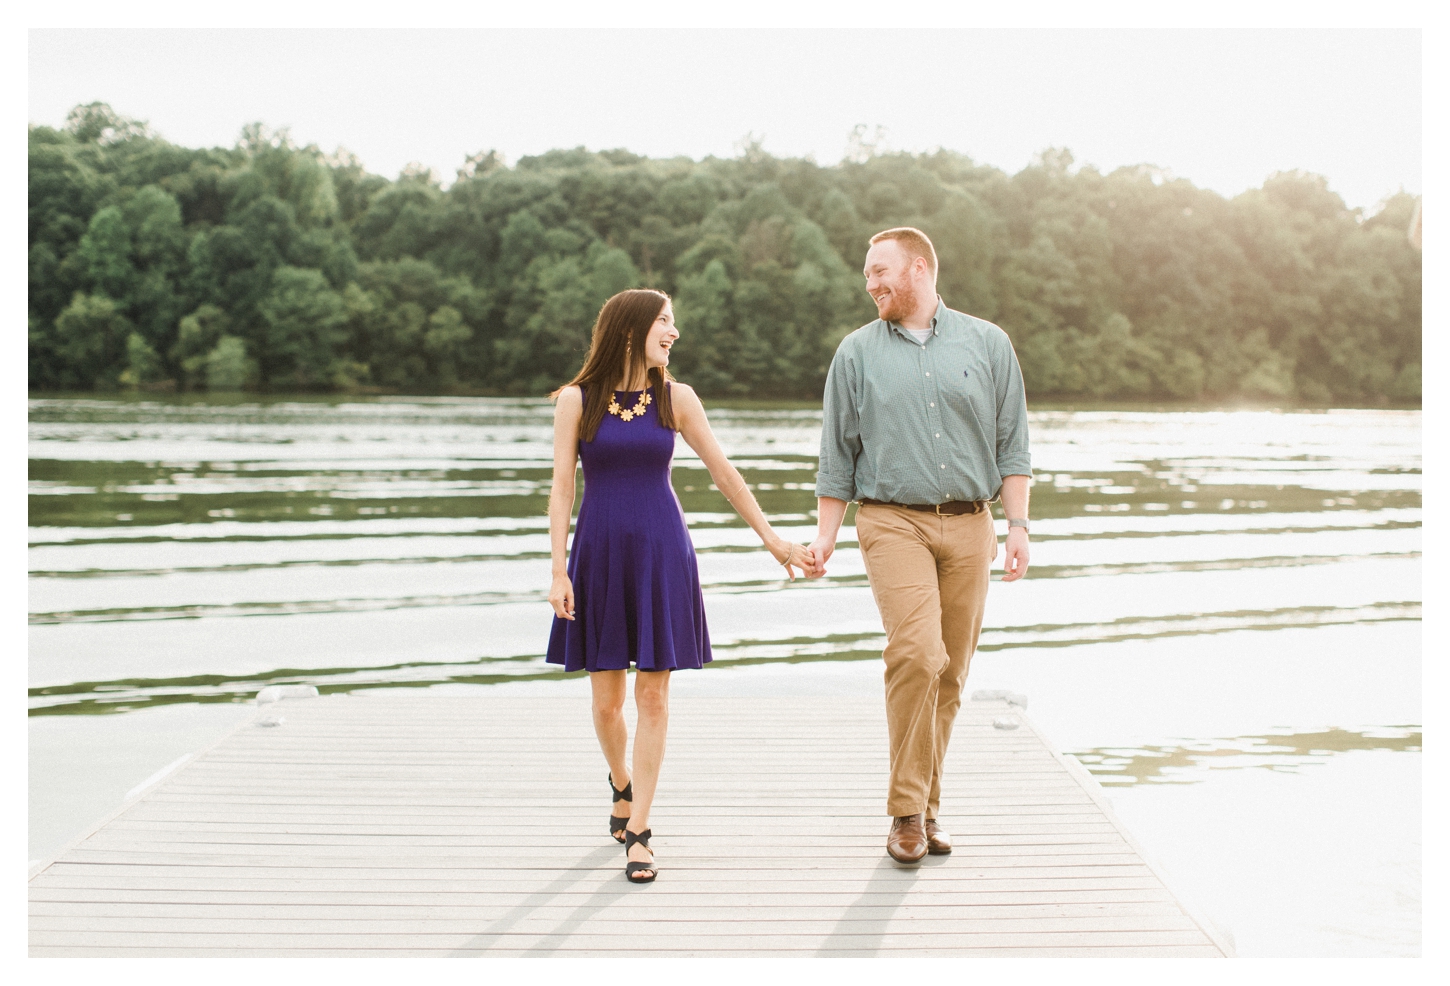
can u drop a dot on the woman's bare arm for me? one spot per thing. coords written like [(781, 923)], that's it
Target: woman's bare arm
[(567, 412), (695, 427)]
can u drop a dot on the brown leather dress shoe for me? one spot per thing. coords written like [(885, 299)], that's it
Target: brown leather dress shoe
[(907, 841), (938, 842)]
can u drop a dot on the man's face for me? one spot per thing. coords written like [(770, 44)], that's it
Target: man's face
[(889, 280)]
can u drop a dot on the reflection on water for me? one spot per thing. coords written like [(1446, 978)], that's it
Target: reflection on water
[(1190, 762), (186, 551), (125, 694)]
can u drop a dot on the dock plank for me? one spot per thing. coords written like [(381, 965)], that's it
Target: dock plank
[(419, 824)]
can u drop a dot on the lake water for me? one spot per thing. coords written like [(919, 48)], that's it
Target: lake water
[(1221, 621)]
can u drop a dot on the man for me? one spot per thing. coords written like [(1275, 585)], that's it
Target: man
[(925, 423)]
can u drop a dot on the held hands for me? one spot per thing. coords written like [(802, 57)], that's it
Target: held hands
[(1015, 562), (561, 597), (821, 550), (794, 556)]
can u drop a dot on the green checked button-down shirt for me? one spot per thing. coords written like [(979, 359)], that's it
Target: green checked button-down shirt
[(911, 422)]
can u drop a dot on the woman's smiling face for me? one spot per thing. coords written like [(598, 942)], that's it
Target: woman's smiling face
[(662, 336)]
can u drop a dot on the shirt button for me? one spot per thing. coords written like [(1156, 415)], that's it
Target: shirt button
[(933, 403), (937, 435), (943, 465), (928, 373)]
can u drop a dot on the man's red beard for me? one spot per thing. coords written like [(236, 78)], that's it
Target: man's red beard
[(900, 303)]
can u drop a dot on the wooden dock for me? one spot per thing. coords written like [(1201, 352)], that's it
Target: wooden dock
[(416, 824)]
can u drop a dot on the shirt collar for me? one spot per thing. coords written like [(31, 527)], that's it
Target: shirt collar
[(933, 324)]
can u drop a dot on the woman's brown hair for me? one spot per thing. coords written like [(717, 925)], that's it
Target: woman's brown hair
[(616, 352)]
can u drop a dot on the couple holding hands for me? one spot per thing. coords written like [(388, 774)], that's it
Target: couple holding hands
[(925, 424)]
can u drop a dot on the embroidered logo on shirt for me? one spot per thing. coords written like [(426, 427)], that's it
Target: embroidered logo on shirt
[(967, 374)]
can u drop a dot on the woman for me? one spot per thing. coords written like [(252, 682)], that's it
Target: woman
[(630, 592)]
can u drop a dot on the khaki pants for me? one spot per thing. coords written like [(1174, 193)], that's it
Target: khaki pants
[(929, 575)]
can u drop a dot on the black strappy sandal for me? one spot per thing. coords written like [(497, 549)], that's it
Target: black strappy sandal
[(617, 824), (630, 869)]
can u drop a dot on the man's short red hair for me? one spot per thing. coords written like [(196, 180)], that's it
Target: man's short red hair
[(913, 241)]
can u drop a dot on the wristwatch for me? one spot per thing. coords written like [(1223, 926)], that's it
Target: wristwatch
[(1017, 522)]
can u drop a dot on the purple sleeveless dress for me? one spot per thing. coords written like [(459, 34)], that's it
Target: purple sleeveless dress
[(636, 586)]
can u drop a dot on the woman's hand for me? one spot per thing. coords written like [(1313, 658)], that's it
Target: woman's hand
[(792, 556), (561, 597)]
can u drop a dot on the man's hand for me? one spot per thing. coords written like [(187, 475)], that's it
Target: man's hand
[(1015, 562), (1014, 504), (813, 568), (829, 513), (821, 550)]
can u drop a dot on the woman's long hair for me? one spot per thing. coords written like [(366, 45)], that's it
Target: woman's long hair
[(616, 352)]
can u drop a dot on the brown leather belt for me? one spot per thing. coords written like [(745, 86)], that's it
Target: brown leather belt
[(951, 507)]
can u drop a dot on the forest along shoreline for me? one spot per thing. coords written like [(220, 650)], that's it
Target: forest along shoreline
[(272, 267)]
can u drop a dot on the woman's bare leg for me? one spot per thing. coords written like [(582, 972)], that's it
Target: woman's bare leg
[(652, 701), (608, 688)]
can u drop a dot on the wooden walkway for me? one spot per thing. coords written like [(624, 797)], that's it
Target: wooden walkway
[(418, 824)]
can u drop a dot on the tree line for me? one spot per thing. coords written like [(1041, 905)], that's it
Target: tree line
[(268, 266)]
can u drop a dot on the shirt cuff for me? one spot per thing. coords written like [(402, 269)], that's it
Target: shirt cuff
[(1014, 464), (841, 489)]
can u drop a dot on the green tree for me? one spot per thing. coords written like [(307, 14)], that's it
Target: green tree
[(304, 321), (444, 341), (91, 336), (703, 312), (197, 335), (228, 367), (106, 252), (319, 275), (97, 123), (143, 366)]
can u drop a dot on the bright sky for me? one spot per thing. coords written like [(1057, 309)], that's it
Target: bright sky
[(1223, 108)]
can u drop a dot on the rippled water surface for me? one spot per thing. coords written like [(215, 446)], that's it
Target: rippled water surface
[(1222, 613)]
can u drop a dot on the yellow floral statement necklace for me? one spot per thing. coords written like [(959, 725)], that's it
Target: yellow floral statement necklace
[(638, 410)]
